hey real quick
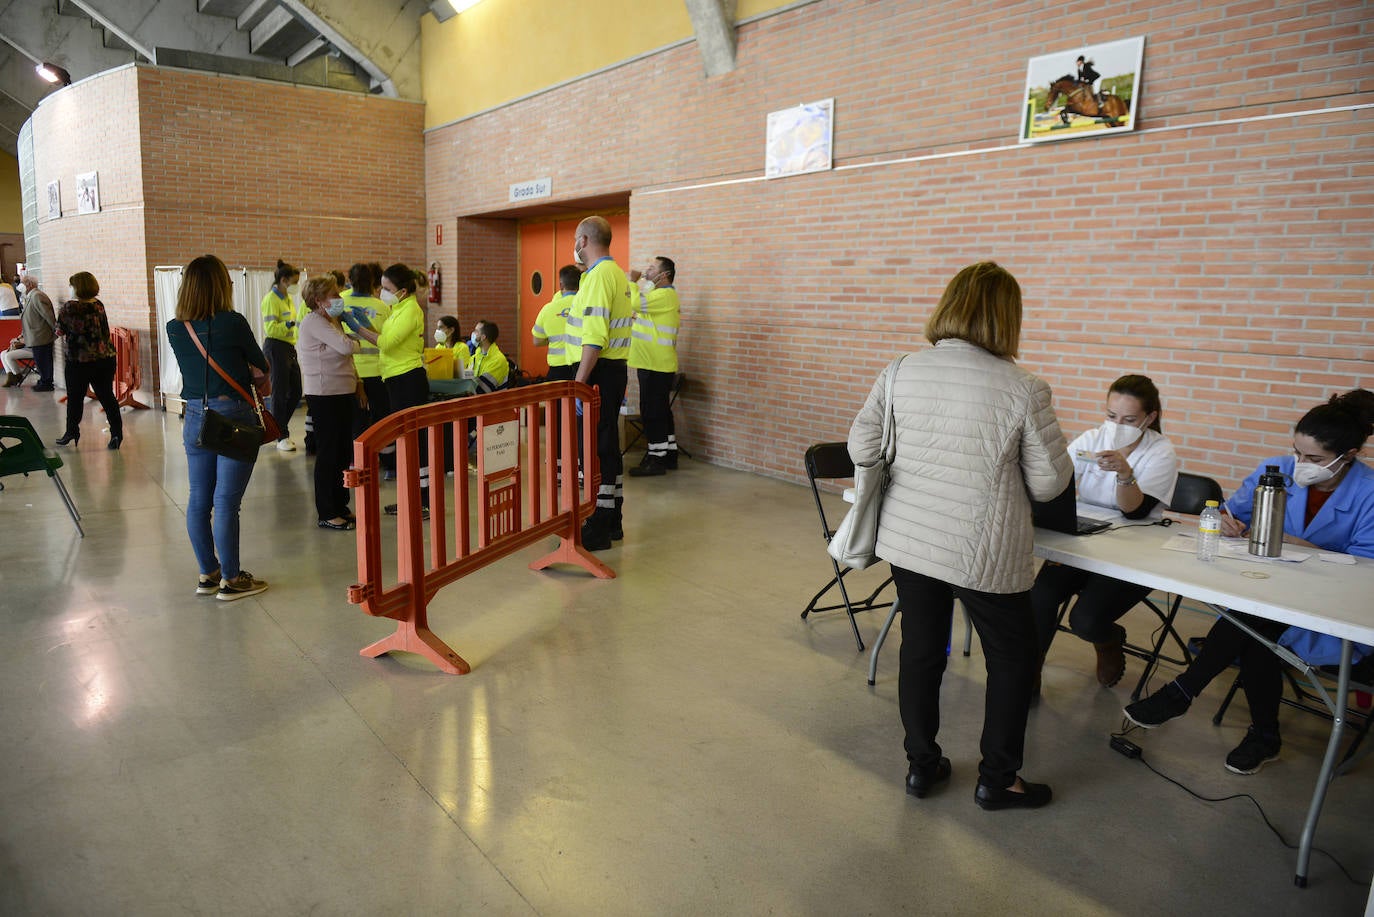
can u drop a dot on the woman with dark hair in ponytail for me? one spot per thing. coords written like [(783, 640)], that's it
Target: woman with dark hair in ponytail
[(280, 318), (1330, 507), (1127, 465)]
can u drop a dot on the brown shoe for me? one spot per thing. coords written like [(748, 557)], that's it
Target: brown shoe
[(11, 380), (1111, 663)]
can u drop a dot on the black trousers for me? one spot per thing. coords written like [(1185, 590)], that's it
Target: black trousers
[(1006, 630), (378, 407), (333, 416), (99, 376), (655, 393), (1261, 671), (285, 370), (558, 374), (1102, 601), (611, 377), (42, 360), (409, 390)]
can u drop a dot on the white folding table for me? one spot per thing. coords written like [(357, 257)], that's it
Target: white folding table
[(1328, 598)]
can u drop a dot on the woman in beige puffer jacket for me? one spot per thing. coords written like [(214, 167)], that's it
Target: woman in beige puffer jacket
[(977, 440)]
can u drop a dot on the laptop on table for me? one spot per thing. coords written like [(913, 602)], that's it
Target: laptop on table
[(1061, 514)]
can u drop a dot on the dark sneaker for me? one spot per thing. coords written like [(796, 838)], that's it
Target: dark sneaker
[(207, 583), (240, 587), (653, 466), (1253, 752), (670, 462), (596, 535), (1159, 708)]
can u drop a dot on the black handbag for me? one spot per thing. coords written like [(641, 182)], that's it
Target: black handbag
[(229, 438), (223, 435)]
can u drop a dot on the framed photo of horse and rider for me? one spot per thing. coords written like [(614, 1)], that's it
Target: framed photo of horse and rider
[(1090, 91)]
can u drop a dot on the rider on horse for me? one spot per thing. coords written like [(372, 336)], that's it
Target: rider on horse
[(1087, 76)]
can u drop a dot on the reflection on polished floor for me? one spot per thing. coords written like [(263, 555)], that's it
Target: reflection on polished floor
[(672, 741)]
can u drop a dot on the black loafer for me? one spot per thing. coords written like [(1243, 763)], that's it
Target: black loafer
[(921, 780), (992, 799)]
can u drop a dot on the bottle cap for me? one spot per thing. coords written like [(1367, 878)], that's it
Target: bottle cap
[(1213, 503)]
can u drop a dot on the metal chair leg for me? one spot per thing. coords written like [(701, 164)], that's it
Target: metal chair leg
[(878, 644), (71, 504)]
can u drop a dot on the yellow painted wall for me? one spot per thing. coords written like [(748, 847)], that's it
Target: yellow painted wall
[(505, 49), (11, 199)]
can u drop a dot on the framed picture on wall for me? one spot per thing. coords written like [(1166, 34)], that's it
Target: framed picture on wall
[(54, 200), (1087, 91), (87, 193), (799, 139)]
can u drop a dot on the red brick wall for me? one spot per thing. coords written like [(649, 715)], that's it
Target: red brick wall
[(251, 171), (93, 127), (1229, 262)]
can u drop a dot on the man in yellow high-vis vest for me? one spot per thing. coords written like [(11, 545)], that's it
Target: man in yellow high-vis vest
[(653, 355)]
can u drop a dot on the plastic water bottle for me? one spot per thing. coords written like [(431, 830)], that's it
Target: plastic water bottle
[(1209, 532)]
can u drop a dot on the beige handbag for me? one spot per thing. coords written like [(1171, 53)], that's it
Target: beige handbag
[(855, 542)]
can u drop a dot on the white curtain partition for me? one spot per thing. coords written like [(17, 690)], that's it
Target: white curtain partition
[(249, 289)]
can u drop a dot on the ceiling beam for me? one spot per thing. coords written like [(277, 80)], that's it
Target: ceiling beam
[(713, 21), (108, 24)]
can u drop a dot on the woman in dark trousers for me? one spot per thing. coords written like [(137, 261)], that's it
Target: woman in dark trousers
[(280, 320), (976, 441), (217, 482), (90, 358), (332, 390)]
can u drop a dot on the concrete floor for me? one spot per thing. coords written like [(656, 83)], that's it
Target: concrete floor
[(673, 741)]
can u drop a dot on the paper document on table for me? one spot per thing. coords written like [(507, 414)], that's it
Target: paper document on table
[(1185, 542), (1099, 513)]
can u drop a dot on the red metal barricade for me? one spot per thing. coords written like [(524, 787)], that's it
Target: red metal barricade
[(507, 477)]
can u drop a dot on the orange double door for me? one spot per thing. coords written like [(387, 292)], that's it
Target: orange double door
[(544, 248)]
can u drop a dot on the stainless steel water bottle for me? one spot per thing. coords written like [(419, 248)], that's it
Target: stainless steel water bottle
[(1266, 523)]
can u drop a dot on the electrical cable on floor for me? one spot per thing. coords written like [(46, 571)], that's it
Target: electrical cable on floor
[(1127, 728)]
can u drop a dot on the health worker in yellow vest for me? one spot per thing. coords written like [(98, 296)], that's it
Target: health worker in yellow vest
[(653, 355), (598, 332), (551, 325), (362, 301), (280, 318), (489, 365), (401, 346), (448, 334)]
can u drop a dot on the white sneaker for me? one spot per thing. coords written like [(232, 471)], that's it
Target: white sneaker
[(285, 445)]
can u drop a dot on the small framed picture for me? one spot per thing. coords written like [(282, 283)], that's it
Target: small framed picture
[(87, 193), (54, 200), (799, 139), (1089, 91)]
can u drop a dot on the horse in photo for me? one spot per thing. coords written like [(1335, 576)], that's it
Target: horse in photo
[(1079, 100)]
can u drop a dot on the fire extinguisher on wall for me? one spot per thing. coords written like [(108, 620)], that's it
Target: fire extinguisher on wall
[(435, 280)]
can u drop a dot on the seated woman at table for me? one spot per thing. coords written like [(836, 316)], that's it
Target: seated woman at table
[(1330, 507), (1127, 465)]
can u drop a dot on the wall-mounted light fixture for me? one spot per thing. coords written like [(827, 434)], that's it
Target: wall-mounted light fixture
[(54, 74)]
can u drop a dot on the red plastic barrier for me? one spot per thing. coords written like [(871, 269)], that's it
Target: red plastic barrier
[(504, 468), (128, 372)]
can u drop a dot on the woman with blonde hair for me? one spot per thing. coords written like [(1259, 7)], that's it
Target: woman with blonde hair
[(333, 391), (976, 441), (207, 328)]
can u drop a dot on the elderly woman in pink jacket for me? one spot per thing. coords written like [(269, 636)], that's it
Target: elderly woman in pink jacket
[(977, 440)]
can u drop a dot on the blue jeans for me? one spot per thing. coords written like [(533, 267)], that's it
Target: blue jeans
[(217, 486)]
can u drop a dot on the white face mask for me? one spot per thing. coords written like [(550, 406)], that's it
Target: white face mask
[(1117, 436), (1308, 474), (389, 297), (293, 289), (645, 284), (71, 293), (440, 336), (577, 254), (335, 308)]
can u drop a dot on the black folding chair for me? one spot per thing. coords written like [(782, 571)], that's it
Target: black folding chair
[(1191, 493), (828, 462)]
